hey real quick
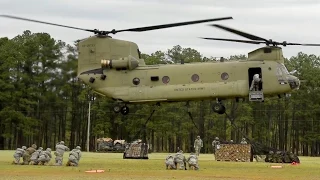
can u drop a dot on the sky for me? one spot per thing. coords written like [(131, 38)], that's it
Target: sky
[(295, 21)]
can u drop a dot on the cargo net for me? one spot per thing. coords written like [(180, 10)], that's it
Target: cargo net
[(273, 155), (233, 152), (136, 151)]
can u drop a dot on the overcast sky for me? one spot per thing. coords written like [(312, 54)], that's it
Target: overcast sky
[(281, 20)]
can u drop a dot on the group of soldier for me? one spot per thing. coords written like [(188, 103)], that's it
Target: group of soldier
[(34, 156), (172, 161)]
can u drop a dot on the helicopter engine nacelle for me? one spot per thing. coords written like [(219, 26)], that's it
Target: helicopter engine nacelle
[(126, 62)]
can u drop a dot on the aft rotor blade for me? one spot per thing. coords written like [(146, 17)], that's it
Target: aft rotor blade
[(149, 28), (32, 20), (240, 33), (303, 44), (235, 40)]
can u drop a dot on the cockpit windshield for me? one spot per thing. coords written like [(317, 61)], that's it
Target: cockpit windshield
[(283, 68)]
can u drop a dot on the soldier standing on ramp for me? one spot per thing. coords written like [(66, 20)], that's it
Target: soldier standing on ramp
[(74, 157), (29, 152), (18, 154), (60, 149), (198, 144)]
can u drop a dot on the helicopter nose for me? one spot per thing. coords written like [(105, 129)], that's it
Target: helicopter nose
[(294, 82)]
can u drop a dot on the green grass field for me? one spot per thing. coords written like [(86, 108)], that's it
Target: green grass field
[(117, 168)]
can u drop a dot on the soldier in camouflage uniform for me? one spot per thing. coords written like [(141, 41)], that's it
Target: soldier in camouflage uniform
[(60, 149), (180, 159), (74, 157), (198, 144), (35, 156), (193, 161), (215, 145), (18, 154), (45, 157), (243, 141), (170, 164), (29, 152)]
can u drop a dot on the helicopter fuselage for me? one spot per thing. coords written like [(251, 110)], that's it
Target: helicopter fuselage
[(190, 81)]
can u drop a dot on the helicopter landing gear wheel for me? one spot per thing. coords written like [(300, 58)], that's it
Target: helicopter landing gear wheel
[(116, 109), (218, 108), (124, 110)]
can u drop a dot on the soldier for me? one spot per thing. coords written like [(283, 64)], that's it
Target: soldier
[(74, 157), (18, 154), (255, 83), (35, 156), (60, 149), (180, 159), (29, 152), (215, 144), (45, 157), (243, 141), (193, 161), (198, 144), (170, 164)]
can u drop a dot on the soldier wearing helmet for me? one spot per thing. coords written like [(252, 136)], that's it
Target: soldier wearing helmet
[(193, 161), (27, 155), (170, 164), (180, 159), (215, 145), (45, 157), (255, 83), (60, 149), (74, 157), (35, 156), (243, 141), (18, 154), (198, 144)]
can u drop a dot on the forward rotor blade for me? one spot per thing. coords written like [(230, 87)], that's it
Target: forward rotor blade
[(25, 19), (149, 28), (235, 40), (240, 33)]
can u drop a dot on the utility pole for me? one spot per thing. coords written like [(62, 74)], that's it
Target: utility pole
[(88, 132)]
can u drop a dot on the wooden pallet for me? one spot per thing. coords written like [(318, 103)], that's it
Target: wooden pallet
[(233, 152)]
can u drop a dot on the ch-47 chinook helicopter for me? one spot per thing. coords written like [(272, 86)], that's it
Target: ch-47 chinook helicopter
[(114, 68)]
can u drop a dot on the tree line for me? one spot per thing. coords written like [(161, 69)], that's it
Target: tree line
[(42, 102)]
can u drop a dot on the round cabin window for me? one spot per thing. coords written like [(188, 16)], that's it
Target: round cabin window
[(165, 79), (224, 76), (195, 77), (136, 81)]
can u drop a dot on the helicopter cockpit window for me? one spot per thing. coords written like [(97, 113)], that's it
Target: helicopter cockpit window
[(283, 69)]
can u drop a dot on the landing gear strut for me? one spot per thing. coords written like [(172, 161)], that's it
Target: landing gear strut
[(124, 109), (218, 107)]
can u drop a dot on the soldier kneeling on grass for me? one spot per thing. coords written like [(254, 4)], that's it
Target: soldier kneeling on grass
[(74, 157), (170, 162), (45, 157), (193, 161), (35, 156)]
